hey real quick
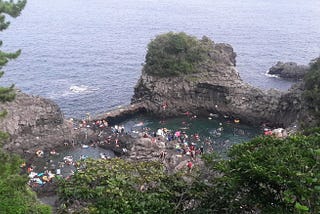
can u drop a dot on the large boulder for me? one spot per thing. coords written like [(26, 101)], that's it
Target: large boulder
[(33, 123), (216, 87), (289, 70), (143, 149), (148, 149)]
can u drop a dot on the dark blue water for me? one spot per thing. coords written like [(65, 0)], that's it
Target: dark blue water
[(87, 55)]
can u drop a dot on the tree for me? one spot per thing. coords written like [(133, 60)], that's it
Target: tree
[(312, 88), (173, 54), (15, 196), (119, 186), (12, 9), (266, 174), (7, 93)]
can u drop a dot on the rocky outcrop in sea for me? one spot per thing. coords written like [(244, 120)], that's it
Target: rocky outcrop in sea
[(289, 70), (217, 88), (33, 123)]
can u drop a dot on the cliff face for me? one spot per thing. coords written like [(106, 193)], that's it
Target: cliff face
[(33, 123), (217, 88)]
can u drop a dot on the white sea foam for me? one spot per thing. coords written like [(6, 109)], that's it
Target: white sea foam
[(81, 89), (271, 75), (66, 91), (108, 62)]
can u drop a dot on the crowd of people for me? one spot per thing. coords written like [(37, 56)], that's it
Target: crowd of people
[(100, 133)]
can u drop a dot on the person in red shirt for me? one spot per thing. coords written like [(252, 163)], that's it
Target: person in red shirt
[(189, 165)]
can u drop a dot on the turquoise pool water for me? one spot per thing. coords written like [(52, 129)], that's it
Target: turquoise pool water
[(208, 129)]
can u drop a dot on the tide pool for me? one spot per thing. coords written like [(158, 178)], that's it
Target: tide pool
[(215, 134)]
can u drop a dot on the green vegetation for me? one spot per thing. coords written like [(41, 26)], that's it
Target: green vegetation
[(173, 54), (118, 186), (266, 175), (312, 88), (13, 10), (15, 196)]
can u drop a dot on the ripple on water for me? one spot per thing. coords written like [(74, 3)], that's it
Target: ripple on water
[(52, 161), (102, 43), (207, 129)]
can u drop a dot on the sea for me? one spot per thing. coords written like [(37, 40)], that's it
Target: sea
[(87, 55)]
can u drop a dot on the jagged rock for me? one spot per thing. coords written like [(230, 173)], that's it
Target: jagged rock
[(216, 88), (289, 70), (33, 123), (146, 149)]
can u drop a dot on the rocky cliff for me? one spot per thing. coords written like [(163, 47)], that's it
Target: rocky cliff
[(33, 123), (217, 88)]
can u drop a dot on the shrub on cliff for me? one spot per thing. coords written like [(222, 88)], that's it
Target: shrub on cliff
[(312, 88), (173, 54)]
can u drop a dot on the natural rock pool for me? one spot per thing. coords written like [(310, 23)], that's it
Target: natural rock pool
[(219, 133), (214, 134), (56, 162)]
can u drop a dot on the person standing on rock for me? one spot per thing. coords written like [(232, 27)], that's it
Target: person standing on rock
[(164, 106), (163, 155), (201, 150), (189, 166)]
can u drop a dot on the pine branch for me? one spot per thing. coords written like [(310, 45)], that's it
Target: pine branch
[(7, 94)]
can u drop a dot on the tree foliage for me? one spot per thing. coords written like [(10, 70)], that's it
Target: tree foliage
[(15, 196), (312, 88), (119, 186), (267, 174), (7, 93), (12, 9), (173, 54)]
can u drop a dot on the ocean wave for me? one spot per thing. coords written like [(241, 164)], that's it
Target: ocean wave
[(271, 75), (73, 90), (81, 89)]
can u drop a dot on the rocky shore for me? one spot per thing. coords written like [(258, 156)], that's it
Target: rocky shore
[(289, 70), (33, 123), (217, 88)]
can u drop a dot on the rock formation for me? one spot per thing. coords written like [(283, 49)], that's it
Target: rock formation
[(144, 149), (33, 123), (289, 70), (216, 88)]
